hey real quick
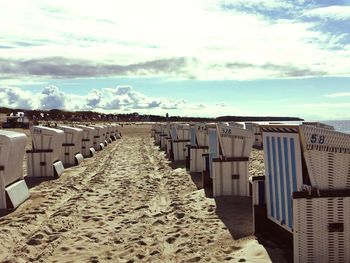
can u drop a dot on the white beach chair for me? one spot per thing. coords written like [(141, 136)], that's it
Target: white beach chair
[(13, 188), (87, 148), (163, 135), (199, 146), (98, 142), (72, 145), (255, 128), (180, 134), (230, 169), (157, 133), (44, 160)]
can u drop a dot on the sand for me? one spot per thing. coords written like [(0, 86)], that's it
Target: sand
[(130, 204)]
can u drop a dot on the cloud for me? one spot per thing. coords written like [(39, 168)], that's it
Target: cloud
[(338, 95), (15, 98), (61, 67), (52, 98), (279, 70), (103, 40), (335, 12)]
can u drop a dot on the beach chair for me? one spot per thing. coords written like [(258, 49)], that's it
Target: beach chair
[(157, 133), (104, 135), (307, 189), (230, 167), (44, 160), (98, 142), (180, 135), (169, 144), (255, 128), (199, 146), (115, 132), (109, 132), (71, 146), (13, 188), (87, 148), (210, 133), (163, 135)]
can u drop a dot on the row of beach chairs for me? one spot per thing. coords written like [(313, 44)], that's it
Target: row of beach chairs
[(304, 196), (53, 150)]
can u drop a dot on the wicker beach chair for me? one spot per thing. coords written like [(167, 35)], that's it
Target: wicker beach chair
[(307, 189)]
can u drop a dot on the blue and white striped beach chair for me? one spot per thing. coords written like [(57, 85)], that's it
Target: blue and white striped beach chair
[(307, 189)]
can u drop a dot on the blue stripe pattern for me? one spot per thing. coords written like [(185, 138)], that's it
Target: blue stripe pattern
[(282, 178), (213, 146), (280, 153)]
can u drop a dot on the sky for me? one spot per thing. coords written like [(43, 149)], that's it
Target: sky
[(202, 58)]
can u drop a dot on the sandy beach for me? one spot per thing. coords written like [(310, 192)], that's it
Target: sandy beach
[(130, 204)]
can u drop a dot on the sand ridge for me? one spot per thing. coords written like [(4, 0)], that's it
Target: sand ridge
[(127, 204)]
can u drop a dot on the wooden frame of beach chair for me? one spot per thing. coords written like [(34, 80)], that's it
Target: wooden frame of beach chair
[(230, 169), (44, 160), (71, 146), (13, 188), (87, 148)]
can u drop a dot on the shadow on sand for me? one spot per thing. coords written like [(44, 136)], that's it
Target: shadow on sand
[(236, 212), (34, 181)]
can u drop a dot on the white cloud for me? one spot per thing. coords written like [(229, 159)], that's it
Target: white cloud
[(338, 95), (172, 39), (122, 99), (334, 12)]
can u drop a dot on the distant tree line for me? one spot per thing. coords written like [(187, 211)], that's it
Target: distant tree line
[(62, 115)]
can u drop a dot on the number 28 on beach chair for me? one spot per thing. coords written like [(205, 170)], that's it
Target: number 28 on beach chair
[(13, 188), (307, 185)]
